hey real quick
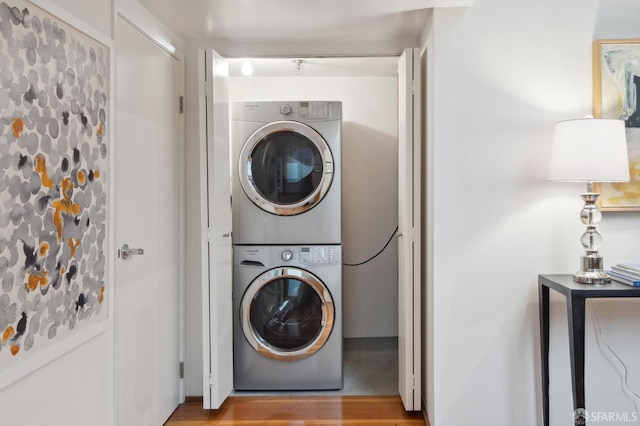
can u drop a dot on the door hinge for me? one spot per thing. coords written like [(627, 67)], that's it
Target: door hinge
[(181, 368), (204, 87), (210, 380), (413, 382), (181, 105)]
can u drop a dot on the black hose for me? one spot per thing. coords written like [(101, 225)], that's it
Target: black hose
[(375, 255)]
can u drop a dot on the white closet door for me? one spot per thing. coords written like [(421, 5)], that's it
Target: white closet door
[(217, 284), (148, 215), (409, 213)]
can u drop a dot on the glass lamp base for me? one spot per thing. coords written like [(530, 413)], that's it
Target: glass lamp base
[(591, 271)]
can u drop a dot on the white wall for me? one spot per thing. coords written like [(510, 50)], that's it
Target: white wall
[(369, 186), (504, 72), (76, 388)]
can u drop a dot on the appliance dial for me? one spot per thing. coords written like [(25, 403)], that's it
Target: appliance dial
[(287, 255), (286, 109)]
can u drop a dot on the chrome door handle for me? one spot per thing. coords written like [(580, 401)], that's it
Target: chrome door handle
[(125, 252)]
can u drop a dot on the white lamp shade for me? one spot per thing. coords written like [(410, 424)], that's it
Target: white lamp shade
[(589, 150)]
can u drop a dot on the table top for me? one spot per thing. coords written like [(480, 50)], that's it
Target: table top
[(564, 284)]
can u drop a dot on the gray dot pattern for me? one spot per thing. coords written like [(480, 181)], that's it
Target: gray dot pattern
[(53, 179)]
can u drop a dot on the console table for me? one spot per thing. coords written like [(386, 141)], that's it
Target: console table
[(575, 294)]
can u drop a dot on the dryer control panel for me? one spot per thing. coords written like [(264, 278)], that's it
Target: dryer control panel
[(311, 110), (315, 110)]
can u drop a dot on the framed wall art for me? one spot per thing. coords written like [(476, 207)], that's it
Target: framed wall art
[(55, 121), (616, 84)]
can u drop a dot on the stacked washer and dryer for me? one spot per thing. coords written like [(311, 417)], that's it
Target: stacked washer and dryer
[(287, 286)]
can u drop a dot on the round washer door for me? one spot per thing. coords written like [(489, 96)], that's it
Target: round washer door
[(285, 168), (287, 314)]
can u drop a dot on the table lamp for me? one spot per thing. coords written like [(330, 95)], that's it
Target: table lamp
[(589, 150)]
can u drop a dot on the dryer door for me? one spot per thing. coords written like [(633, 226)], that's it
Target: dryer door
[(287, 314), (285, 168)]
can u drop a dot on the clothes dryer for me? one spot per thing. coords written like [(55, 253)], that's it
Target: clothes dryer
[(286, 180), (287, 326)]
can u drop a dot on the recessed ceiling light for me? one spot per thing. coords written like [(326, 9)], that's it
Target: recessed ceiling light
[(247, 68)]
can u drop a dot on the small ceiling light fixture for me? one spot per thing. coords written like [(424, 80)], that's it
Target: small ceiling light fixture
[(247, 68), (298, 63)]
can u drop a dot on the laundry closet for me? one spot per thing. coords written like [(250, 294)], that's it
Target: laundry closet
[(368, 90), (363, 94)]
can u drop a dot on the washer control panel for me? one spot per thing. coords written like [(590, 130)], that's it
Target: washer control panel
[(305, 255), (317, 255), (281, 255)]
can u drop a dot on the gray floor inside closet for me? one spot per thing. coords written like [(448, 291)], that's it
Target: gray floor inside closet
[(370, 368)]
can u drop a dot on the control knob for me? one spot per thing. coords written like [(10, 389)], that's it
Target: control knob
[(286, 109), (287, 255)]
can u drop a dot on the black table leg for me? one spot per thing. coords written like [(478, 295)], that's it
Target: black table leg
[(575, 311), (543, 296)]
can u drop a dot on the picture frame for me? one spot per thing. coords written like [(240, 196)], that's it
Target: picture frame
[(56, 209), (616, 94)]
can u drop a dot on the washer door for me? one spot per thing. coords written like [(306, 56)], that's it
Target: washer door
[(285, 168), (287, 314)]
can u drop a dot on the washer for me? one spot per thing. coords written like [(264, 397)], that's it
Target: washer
[(286, 172), (287, 317)]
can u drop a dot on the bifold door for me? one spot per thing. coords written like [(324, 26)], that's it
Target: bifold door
[(217, 338)]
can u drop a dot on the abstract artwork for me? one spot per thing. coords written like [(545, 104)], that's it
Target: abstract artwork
[(616, 94), (54, 151)]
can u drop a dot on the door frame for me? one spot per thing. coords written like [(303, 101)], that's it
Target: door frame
[(149, 26)]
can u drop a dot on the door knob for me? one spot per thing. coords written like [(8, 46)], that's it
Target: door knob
[(125, 252)]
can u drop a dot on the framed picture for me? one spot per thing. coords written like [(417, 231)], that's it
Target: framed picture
[(55, 166), (616, 84)]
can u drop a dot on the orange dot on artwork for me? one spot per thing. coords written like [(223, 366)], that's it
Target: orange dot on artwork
[(33, 282), (96, 173), (81, 177), (8, 334), (18, 126), (15, 349), (44, 248)]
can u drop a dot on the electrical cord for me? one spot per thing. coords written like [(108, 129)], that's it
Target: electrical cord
[(626, 389), (375, 255)]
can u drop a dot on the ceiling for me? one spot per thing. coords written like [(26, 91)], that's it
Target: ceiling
[(384, 66), (323, 32)]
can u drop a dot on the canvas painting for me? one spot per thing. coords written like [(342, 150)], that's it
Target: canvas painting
[(616, 95), (54, 152)]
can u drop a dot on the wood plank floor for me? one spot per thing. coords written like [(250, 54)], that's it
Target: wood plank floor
[(298, 411)]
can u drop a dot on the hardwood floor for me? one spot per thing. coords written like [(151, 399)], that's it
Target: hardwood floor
[(298, 411)]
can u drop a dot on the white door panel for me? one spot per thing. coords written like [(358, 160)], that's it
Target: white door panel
[(409, 213), (217, 285), (148, 216)]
